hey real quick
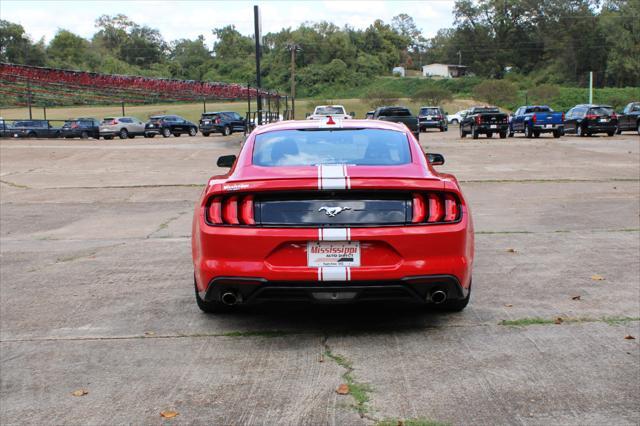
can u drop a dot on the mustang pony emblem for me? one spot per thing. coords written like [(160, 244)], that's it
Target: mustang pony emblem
[(333, 211)]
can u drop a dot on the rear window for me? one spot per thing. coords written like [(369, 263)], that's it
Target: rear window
[(329, 110), (601, 111), (360, 147), (395, 112), (429, 111), (539, 109)]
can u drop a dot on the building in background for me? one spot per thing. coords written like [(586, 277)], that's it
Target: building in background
[(444, 70)]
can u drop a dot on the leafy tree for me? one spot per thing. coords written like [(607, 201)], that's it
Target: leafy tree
[(17, 47), (380, 97), (432, 95), (544, 94), (191, 57), (496, 92), (67, 49)]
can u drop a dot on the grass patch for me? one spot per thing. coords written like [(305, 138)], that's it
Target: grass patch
[(409, 422), (359, 391), (523, 322)]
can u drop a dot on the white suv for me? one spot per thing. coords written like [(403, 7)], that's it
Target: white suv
[(124, 127)]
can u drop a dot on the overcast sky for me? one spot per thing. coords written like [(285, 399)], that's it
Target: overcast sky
[(188, 19)]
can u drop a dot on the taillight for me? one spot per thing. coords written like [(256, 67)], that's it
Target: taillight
[(217, 121), (563, 116), (234, 210), (534, 118), (478, 119), (591, 117), (113, 122), (419, 208), (614, 116), (435, 208)]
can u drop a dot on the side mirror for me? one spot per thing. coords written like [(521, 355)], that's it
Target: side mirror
[(226, 161), (352, 114), (435, 159)]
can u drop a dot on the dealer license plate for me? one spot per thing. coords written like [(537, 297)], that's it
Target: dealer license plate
[(333, 253)]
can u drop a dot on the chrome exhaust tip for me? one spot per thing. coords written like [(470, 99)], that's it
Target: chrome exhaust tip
[(229, 298), (438, 297)]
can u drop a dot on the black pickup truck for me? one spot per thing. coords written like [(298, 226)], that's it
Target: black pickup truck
[(629, 119), (485, 120), (398, 114)]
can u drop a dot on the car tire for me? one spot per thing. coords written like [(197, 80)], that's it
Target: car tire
[(226, 131), (489, 135), (463, 134), (209, 307), (32, 135), (166, 132), (193, 131), (205, 133), (536, 134), (455, 305), (610, 134), (527, 132), (108, 138), (503, 135), (580, 131), (124, 134), (84, 135), (454, 122), (557, 134), (474, 132)]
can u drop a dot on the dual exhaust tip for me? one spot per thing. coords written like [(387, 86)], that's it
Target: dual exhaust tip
[(438, 297)]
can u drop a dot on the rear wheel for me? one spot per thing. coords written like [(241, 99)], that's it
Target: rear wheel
[(212, 307), (226, 130), (536, 133), (527, 131), (463, 134), (205, 133), (84, 135), (166, 132), (503, 135), (557, 134), (474, 132), (192, 131), (124, 134)]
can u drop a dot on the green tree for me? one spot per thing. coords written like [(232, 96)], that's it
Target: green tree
[(496, 92), (432, 95), (380, 97), (543, 94), (67, 50), (17, 47)]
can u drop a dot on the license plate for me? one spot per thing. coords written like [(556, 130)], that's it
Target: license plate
[(494, 126), (548, 126), (150, 125), (604, 120), (206, 121), (428, 117), (333, 253)]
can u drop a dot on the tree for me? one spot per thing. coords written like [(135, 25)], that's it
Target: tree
[(191, 57), (544, 94), (496, 92), (67, 50), (432, 95), (17, 47), (380, 97)]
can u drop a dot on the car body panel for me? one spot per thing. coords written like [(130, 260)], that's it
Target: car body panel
[(588, 119), (113, 126), (485, 120), (536, 118), (629, 118), (175, 125), (432, 118), (215, 122)]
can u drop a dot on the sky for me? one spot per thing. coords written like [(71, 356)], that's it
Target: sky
[(188, 19)]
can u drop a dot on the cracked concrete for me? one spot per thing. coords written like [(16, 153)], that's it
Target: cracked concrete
[(119, 320)]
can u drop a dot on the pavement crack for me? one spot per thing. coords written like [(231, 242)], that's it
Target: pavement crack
[(165, 224), (524, 322), (14, 185)]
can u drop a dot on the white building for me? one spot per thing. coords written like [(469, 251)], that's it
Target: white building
[(444, 70)]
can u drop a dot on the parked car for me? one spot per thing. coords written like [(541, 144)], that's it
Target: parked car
[(589, 119), (398, 114), (82, 127), (225, 122), (302, 216), (323, 111), (5, 129), (369, 115), (533, 120), (457, 117), (484, 120), (629, 118), (167, 125), (123, 127), (34, 129), (432, 118)]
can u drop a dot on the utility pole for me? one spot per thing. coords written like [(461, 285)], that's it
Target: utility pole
[(122, 104), (256, 24), (293, 48), (459, 57), (204, 104), (590, 87)]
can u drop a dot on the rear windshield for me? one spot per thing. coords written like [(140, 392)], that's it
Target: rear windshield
[(485, 110), (429, 111), (329, 110), (361, 147), (107, 120), (209, 116), (601, 111), (395, 112), (539, 109)]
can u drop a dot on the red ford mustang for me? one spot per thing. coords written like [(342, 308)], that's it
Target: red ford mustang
[(330, 211)]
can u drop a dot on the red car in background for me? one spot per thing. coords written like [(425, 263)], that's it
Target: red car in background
[(332, 211)]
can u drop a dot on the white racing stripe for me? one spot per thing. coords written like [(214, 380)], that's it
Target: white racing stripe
[(333, 176), (334, 273), (334, 234)]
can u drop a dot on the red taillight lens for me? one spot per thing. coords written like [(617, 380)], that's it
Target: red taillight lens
[(591, 117), (614, 116), (217, 121), (419, 208), (230, 211), (114, 122), (534, 118), (436, 212), (478, 119), (214, 212), (450, 208), (246, 210), (563, 116)]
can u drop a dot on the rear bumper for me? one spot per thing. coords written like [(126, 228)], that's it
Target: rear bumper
[(410, 289), (210, 129), (602, 128), (542, 128), (431, 124), (487, 128)]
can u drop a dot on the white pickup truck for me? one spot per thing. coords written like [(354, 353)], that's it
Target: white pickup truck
[(323, 111)]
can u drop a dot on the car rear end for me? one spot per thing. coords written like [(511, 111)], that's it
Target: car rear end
[(600, 119), (110, 127), (70, 129), (547, 122), (210, 123), (153, 126), (431, 118), (492, 122), (332, 232)]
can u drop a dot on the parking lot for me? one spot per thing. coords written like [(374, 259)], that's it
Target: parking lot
[(96, 295)]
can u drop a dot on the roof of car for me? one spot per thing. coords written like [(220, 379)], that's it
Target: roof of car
[(310, 124)]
